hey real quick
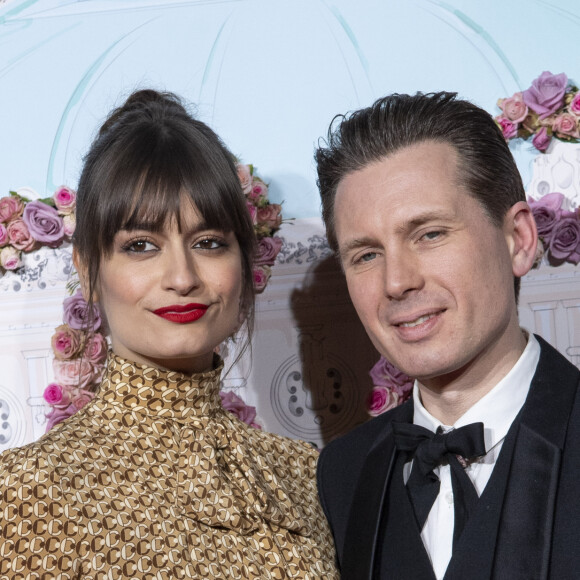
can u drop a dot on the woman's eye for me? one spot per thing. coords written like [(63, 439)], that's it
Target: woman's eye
[(140, 246), (209, 244)]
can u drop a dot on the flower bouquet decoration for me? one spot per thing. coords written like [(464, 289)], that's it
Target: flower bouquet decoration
[(550, 108), (267, 219), (27, 225), (391, 387)]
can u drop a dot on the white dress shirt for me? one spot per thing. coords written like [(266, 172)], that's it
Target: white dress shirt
[(497, 410)]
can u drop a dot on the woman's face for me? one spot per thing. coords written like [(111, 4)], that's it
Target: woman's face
[(170, 298)]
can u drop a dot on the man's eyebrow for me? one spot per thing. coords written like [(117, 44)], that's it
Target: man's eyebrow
[(355, 244)]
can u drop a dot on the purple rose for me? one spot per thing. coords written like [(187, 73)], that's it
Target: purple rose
[(58, 415), (381, 399), (268, 249), (384, 374), (546, 95), (565, 240), (541, 140), (509, 129), (44, 223), (246, 413), (77, 314), (547, 211)]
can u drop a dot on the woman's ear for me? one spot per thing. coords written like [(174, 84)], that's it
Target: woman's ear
[(522, 237), (83, 273)]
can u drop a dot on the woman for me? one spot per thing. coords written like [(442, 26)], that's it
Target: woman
[(153, 479)]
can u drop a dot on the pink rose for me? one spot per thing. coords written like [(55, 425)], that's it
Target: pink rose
[(81, 397), (96, 349), (10, 208), (253, 210), (514, 108), (245, 177), (10, 258), (65, 199), (509, 129), (74, 373), (66, 342), (3, 235), (246, 413), (381, 399), (268, 249), (567, 125), (270, 215), (56, 394), (76, 313), (546, 95), (541, 139), (575, 104), (259, 192), (565, 240), (19, 235), (384, 374), (58, 415), (70, 223), (261, 276), (44, 223), (547, 211)]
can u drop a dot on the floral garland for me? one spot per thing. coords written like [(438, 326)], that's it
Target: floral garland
[(80, 352), (549, 108), (27, 225)]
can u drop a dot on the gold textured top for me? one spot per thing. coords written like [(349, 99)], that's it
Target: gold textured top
[(153, 479)]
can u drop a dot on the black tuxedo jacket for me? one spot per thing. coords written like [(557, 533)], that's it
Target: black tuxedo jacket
[(538, 530)]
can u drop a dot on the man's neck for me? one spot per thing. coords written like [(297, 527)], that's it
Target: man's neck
[(449, 397)]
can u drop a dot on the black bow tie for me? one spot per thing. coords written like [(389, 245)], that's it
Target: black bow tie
[(428, 450)]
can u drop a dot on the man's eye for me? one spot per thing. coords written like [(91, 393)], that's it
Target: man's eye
[(432, 235), (368, 257)]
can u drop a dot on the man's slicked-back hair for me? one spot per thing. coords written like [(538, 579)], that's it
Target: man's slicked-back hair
[(487, 169)]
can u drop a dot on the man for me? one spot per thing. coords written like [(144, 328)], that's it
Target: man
[(426, 211)]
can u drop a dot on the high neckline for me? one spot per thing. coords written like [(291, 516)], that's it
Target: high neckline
[(160, 392)]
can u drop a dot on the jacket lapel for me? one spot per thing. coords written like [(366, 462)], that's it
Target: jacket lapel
[(368, 501), (529, 502)]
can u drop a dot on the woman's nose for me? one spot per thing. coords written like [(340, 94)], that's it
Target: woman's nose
[(181, 273)]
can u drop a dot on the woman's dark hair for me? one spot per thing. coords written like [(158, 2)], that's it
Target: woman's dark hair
[(487, 168), (147, 156)]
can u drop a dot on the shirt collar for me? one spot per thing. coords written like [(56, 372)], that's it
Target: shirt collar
[(498, 408)]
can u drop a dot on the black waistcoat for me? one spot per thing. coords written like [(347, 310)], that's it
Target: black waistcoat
[(401, 554)]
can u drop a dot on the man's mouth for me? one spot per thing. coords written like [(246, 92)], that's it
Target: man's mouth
[(418, 321)]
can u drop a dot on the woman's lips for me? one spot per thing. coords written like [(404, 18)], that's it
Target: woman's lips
[(182, 313)]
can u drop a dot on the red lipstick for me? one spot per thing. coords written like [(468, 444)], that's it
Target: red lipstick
[(182, 313)]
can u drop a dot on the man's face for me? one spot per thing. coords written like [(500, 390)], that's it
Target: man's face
[(429, 275)]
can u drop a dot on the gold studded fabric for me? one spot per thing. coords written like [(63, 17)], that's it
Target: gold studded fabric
[(155, 480)]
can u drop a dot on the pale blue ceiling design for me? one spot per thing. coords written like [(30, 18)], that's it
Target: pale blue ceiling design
[(267, 75)]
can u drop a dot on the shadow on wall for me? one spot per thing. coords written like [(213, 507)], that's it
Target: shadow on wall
[(335, 352)]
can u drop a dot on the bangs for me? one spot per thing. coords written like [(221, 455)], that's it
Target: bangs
[(152, 175)]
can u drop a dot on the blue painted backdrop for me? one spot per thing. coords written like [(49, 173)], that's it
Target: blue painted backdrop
[(267, 75)]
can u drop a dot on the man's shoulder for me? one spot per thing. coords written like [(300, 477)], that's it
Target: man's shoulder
[(355, 445)]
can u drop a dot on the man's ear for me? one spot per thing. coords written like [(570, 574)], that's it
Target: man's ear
[(83, 273), (522, 237)]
